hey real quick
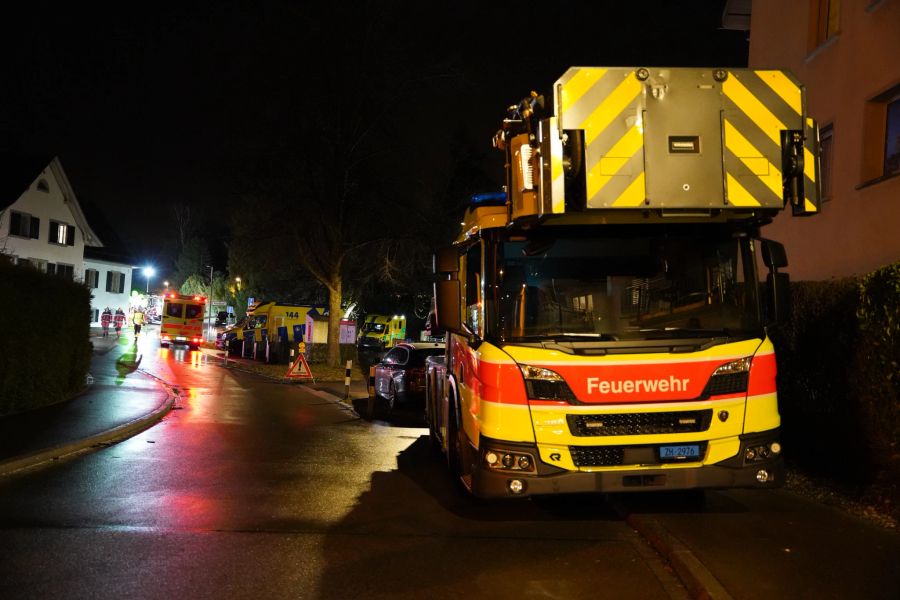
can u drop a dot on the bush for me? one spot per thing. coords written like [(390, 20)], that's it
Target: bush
[(45, 345), (838, 377)]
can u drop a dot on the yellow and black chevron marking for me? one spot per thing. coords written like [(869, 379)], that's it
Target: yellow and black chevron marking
[(609, 104), (606, 104)]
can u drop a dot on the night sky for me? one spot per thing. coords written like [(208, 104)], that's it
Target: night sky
[(164, 106)]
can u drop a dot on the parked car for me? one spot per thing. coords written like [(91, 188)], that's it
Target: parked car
[(400, 375)]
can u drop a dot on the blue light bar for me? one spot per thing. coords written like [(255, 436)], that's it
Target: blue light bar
[(489, 199)]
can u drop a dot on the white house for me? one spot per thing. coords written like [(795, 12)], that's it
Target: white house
[(43, 225), (109, 278)]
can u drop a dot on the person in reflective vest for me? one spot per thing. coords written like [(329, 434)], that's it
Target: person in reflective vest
[(138, 319), (105, 320), (118, 321)]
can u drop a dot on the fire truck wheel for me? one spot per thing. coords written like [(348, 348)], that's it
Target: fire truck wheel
[(456, 447)]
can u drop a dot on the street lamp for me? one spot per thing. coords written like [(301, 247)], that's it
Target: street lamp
[(148, 273), (237, 283), (166, 283)]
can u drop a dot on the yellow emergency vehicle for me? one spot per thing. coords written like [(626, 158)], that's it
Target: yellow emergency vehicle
[(607, 330), (182, 320), (266, 318), (380, 332)]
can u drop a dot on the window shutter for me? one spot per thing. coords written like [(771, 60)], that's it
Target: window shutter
[(70, 235), (51, 268), (121, 283), (35, 228), (54, 233), (109, 281), (15, 223)]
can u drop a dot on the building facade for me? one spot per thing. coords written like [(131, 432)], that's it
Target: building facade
[(847, 54), (44, 226), (109, 279)]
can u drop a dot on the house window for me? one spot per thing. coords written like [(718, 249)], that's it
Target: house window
[(115, 282), (881, 137), (95, 315), (64, 271), (42, 186), (92, 278), (826, 158), (892, 137), (825, 21), (62, 234), (24, 225)]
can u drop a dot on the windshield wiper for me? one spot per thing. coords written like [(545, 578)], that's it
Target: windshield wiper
[(684, 332), (570, 336)]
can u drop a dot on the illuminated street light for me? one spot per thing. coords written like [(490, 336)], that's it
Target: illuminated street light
[(148, 273)]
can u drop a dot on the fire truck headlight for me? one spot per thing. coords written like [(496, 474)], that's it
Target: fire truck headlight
[(544, 384), (501, 460)]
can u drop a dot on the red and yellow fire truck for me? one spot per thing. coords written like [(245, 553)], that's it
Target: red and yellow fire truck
[(607, 326), (182, 320)]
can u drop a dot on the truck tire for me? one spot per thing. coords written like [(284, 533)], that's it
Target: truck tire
[(457, 450)]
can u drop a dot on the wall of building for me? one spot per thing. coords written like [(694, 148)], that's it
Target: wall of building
[(858, 228), (100, 298), (45, 205)]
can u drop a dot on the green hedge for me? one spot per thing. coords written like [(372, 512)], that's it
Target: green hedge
[(45, 340), (838, 356)]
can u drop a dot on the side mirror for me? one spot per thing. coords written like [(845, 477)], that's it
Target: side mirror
[(446, 260), (773, 254), (778, 285), (446, 298)]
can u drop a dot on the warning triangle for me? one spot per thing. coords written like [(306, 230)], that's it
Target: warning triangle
[(299, 369)]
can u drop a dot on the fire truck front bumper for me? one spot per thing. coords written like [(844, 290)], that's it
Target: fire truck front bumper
[(735, 472)]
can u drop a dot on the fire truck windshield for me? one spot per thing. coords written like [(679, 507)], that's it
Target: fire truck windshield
[(626, 284)]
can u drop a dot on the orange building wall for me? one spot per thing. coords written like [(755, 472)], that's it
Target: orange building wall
[(858, 229)]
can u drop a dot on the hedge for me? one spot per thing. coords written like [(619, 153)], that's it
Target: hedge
[(45, 340), (838, 377)]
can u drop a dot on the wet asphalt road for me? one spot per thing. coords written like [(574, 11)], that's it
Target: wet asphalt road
[(257, 489)]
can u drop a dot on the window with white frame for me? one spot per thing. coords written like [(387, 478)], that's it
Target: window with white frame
[(115, 282), (92, 278), (62, 234), (24, 225), (61, 270)]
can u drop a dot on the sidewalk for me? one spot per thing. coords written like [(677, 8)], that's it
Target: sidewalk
[(120, 403)]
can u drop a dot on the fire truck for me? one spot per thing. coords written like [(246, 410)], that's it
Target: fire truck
[(607, 314), (182, 320)]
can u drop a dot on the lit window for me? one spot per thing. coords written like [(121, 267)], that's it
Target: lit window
[(62, 234)]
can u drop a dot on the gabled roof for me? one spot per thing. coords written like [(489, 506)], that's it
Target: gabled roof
[(18, 172)]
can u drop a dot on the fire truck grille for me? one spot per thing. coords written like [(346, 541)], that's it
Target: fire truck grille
[(690, 421), (614, 456), (597, 456)]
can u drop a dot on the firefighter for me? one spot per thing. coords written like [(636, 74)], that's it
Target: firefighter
[(105, 319), (118, 321), (138, 319)]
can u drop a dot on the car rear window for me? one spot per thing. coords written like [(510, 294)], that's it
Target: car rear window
[(418, 356), (192, 311)]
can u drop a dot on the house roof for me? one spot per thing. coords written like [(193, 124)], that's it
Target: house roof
[(19, 171)]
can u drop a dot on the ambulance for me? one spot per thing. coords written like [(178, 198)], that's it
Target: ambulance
[(182, 320)]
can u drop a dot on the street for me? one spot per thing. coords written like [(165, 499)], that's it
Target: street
[(250, 488)]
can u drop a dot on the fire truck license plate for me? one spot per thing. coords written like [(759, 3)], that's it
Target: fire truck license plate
[(180, 338), (679, 452)]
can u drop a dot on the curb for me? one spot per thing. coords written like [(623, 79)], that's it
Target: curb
[(696, 578), (71, 449)]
